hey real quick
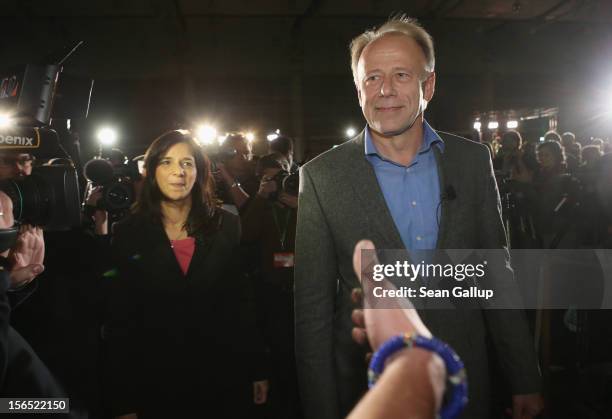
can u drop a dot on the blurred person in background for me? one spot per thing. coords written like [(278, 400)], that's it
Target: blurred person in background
[(234, 172), (598, 142), (268, 225), (509, 157), (284, 146), (552, 136), (575, 149), (590, 156), (557, 195), (568, 139)]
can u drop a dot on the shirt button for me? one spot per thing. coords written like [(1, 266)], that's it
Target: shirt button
[(418, 238), (414, 203)]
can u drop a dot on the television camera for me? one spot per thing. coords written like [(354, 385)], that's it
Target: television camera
[(30, 97)]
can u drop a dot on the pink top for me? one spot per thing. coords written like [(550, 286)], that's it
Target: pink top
[(183, 250)]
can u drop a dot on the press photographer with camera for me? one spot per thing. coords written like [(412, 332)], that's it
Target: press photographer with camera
[(22, 373), (284, 145), (113, 182), (268, 227), (233, 171)]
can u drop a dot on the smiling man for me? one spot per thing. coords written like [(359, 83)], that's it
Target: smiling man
[(402, 185)]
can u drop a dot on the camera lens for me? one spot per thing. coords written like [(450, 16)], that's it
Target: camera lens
[(49, 197), (118, 196)]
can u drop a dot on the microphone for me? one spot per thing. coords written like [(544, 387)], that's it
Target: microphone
[(449, 193)]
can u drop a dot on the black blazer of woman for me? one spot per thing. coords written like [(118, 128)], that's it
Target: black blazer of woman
[(179, 344)]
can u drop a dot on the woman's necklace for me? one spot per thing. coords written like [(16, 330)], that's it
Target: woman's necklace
[(175, 232)]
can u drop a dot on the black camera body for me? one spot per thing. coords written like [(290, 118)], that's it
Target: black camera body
[(286, 182), (50, 196), (117, 182)]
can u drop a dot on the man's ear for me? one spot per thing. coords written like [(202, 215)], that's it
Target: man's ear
[(429, 87)]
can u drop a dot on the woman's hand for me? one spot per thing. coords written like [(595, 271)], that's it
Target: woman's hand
[(260, 391), (378, 325)]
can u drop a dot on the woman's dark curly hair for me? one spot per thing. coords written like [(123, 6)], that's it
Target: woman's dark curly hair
[(203, 216)]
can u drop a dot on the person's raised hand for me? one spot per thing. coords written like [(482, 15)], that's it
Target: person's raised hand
[(27, 256), (290, 201), (395, 317), (266, 187)]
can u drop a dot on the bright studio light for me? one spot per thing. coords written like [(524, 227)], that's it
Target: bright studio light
[(107, 136), (477, 125), (273, 136), (350, 132), (512, 124), (206, 133), (221, 138), (5, 121), (493, 125), (250, 137)]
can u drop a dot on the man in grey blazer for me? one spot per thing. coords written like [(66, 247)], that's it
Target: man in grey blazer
[(402, 185)]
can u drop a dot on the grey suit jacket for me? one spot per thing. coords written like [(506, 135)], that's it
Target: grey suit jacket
[(341, 203)]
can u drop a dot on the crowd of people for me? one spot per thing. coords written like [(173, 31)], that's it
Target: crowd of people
[(124, 319), (556, 193)]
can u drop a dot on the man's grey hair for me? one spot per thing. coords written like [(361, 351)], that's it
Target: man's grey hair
[(400, 24)]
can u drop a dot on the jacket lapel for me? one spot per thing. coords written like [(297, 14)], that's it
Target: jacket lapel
[(366, 187), (160, 250), (203, 245)]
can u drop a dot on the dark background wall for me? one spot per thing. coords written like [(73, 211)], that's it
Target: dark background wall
[(263, 65)]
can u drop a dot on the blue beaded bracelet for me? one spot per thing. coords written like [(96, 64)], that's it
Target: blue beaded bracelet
[(454, 367)]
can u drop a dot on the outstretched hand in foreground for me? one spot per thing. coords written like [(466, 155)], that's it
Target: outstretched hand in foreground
[(412, 384)]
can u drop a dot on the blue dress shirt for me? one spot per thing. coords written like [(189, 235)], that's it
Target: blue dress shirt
[(412, 192)]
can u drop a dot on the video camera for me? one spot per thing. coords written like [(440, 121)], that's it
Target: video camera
[(29, 97), (117, 182)]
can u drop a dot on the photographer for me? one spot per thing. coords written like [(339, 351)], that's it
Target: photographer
[(234, 171), (113, 183), (22, 373), (284, 146), (509, 157), (59, 320), (269, 221)]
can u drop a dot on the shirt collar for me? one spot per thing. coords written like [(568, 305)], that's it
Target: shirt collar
[(430, 138)]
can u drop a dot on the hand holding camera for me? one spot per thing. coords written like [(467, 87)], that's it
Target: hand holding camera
[(27, 254)]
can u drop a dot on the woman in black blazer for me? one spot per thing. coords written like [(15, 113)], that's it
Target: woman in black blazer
[(180, 335)]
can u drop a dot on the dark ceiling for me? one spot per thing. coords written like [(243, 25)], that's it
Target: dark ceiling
[(284, 64)]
